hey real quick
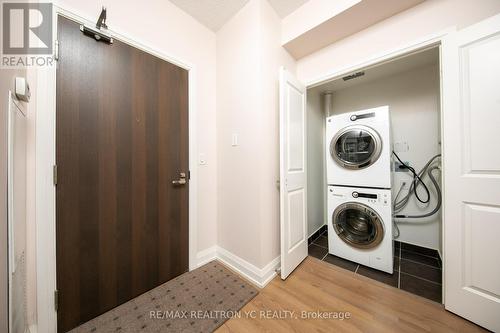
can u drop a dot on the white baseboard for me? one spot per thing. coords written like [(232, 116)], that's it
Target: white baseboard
[(269, 271), (259, 276)]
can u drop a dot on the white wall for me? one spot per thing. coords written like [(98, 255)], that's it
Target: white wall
[(316, 181), (238, 103), (413, 99), (429, 17), (248, 60)]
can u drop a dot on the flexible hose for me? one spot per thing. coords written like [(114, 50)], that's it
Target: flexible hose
[(399, 205), (396, 232), (439, 198), (417, 180)]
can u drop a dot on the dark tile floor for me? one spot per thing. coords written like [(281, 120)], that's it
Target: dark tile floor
[(416, 269)]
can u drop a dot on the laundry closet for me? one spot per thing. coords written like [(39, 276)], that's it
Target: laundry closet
[(391, 110)]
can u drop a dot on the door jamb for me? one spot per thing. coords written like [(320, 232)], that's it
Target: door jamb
[(45, 159), (382, 57)]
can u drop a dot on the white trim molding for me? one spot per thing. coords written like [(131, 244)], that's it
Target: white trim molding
[(382, 57), (258, 276)]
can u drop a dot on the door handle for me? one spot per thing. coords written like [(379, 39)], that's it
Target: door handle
[(181, 180)]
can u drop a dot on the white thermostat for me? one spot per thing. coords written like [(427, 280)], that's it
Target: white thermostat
[(22, 89)]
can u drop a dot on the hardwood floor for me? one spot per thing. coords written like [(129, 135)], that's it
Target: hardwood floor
[(319, 286)]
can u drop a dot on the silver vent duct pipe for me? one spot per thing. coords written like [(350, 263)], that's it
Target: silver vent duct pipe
[(328, 103)]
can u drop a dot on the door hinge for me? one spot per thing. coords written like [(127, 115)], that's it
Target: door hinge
[(56, 50), (56, 300), (54, 174)]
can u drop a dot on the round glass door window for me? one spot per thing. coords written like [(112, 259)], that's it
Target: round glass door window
[(358, 225), (356, 147)]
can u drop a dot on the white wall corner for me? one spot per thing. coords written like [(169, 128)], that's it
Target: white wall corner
[(317, 229), (258, 276), (207, 255)]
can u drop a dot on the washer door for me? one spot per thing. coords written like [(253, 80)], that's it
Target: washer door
[(356, 147), (358, 225)]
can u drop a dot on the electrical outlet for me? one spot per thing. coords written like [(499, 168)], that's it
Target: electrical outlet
[(398, 167)]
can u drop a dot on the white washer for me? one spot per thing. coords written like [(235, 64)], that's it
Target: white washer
[(359, 147), (360, 226)]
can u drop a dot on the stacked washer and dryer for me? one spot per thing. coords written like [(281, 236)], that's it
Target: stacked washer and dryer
[(359, 176)]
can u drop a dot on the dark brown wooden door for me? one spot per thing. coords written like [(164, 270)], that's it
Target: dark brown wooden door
[(121, 139)]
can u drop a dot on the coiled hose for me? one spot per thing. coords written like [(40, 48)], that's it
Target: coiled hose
[(399, 205)]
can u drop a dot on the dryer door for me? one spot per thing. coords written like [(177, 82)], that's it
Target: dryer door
[(356, 147), (358, 225)]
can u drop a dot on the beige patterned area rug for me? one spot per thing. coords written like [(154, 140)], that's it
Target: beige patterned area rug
[(197, 301)]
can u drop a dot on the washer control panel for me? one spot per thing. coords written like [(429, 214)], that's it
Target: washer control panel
[(371, 197)]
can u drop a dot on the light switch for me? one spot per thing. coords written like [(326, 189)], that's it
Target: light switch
[(202, 159), (234, 140)]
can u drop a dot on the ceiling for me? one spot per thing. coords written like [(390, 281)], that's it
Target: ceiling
[(403, 64), (285, 7), (211, 13), (215, 13)]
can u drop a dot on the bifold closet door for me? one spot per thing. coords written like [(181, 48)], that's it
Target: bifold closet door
[(471, 161), (121, 141), (293, 172)]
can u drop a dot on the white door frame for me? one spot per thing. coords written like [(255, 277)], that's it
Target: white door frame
[(387, 56), (45, 159), (11, 262), (382, 57)]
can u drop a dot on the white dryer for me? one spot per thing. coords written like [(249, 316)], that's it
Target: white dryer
[(360, 226), (359, 147)]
